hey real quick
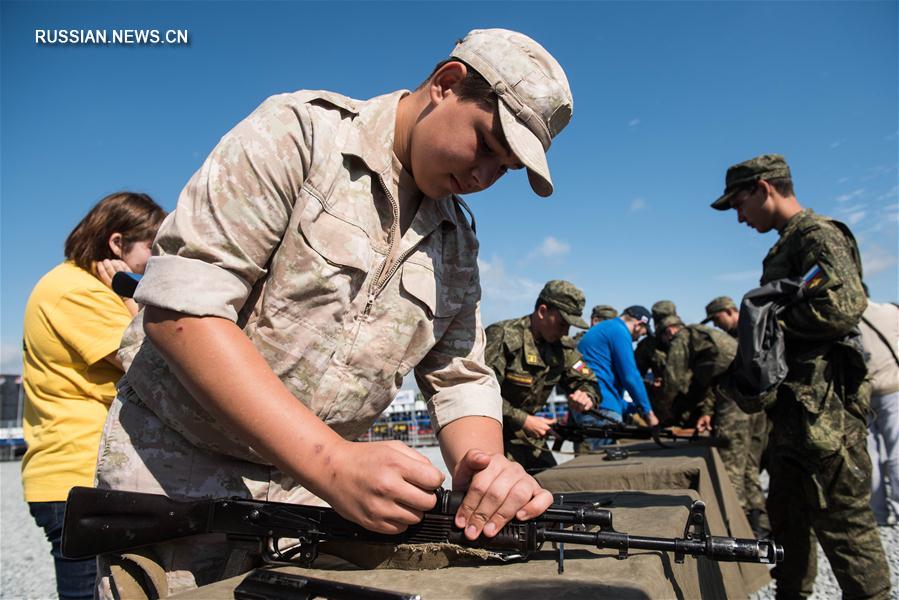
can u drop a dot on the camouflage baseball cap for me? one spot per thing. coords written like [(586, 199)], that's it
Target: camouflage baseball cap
[(535, 99), (661, 309), (603, 311), (717, 305), (766, 166), (566, 297), (667, 321)]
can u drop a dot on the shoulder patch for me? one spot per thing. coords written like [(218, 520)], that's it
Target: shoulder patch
[(582, 368)]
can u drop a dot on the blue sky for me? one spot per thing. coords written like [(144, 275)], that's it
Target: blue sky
[(667, 96)]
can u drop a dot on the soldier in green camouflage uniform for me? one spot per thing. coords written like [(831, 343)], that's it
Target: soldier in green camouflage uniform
[(530, 356), (698, 356), (650, 356), (723, 312), (819, 465)]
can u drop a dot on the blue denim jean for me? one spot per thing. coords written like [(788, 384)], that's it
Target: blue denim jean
[(607, 417), (74, 578)]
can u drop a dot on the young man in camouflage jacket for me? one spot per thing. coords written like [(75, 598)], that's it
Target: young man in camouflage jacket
[(531, 355), (820, 471)]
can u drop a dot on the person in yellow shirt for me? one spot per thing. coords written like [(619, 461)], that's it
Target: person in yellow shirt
[(73, 325)]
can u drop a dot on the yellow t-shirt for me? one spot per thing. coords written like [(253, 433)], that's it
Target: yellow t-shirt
[(72, 322)]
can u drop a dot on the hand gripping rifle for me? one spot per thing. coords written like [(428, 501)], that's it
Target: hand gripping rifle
[(103, 521), (619, 431)]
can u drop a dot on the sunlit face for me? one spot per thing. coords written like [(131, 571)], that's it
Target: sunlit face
[(755, 207), (640, 330), (137, 255), (726, 319), (456, 147), (550, 325)]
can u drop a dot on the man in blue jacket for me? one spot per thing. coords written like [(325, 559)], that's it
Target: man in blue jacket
[(608, 350)]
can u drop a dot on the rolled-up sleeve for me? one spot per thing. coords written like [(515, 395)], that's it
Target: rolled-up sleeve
[(454, 376), (232, 215)]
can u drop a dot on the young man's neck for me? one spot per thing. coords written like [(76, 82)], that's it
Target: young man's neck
[(407, 113), (787, 208)]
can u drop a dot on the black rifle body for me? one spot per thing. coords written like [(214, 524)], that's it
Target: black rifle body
[(103, 521)]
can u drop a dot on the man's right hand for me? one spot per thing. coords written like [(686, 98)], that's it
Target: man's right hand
[(652, 419), (537, 427), (383, 486)]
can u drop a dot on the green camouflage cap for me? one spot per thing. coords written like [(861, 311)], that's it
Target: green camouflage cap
[(717, 305), (568, 298), (535, 98), (667, 321), (766, 166), (603, 311), (662, 308)]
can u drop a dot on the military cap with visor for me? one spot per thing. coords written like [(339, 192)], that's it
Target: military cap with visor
[(668, 321), (717, 305), (764, 167), (568, 299), (603, 311), (641, 314), (535, 101)]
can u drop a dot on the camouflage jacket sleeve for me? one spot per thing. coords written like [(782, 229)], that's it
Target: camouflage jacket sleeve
[(579, 377), (231, 215), (496, 358), (678, 375), (454, 374), (833, 307)]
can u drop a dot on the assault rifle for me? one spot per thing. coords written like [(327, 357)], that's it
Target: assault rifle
[(102, 521), (619, 431)]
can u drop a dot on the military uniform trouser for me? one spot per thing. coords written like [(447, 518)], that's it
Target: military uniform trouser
[(827, 498), (746, 435)]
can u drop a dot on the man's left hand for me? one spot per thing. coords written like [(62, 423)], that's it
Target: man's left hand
[(580, 401), (498, 491)]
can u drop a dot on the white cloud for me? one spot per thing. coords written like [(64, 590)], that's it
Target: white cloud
[(875, 259), (850, 195), (503, 293), (740, 276), (637, 204), (835, 145), (10, 359), (633, 122), (842, 180), (498, 282), (893, 192), (855, 218), (551, 247)]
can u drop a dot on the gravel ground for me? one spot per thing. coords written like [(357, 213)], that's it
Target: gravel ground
[(26, 567)]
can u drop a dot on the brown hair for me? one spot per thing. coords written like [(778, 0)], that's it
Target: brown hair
[(133, 215), (474, 87), (782, 185)]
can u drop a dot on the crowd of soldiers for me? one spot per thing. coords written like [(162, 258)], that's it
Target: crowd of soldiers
[(679, 364), (808, 431)]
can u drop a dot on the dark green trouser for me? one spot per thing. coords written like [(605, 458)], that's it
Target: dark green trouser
[(828, 499)]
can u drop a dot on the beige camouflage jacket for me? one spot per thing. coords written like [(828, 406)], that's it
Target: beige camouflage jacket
[(290, 229)]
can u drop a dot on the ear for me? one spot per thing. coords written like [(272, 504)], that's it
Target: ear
[(541, 311), (443, 81), (115, 244)]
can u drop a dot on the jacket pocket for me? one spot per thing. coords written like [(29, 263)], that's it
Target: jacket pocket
[(440, 298), (337, 241)]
